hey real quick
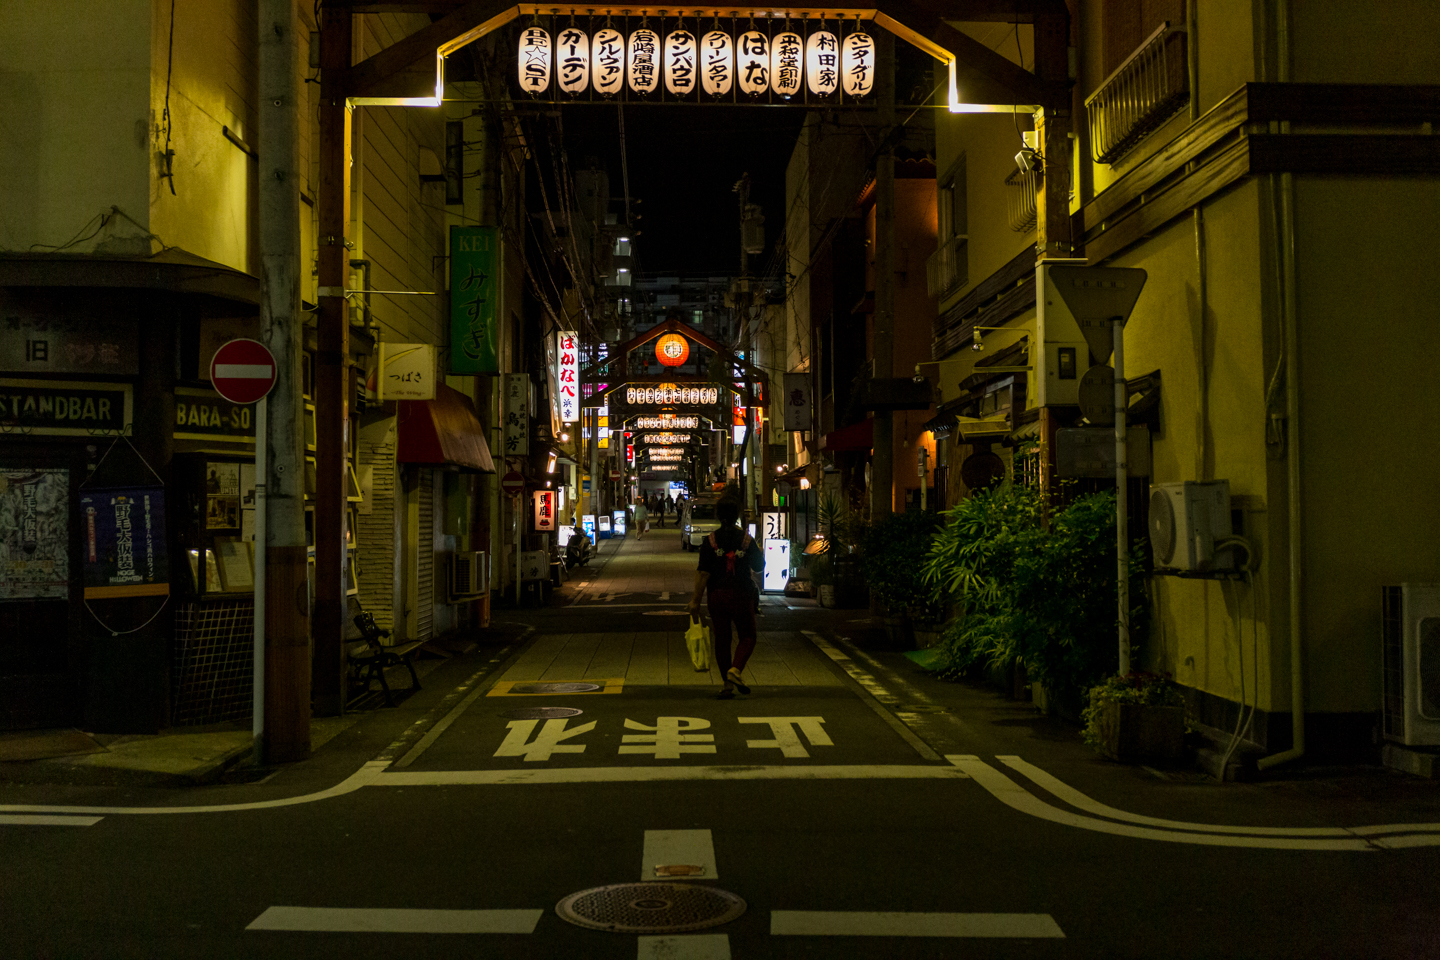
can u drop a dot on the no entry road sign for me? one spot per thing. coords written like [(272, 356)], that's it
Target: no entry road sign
[(243, 371), (513, 484)]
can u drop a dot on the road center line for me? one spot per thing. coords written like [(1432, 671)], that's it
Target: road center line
[(380, 920), (46, 820), (842, 923), (668, 847), (694, 946)]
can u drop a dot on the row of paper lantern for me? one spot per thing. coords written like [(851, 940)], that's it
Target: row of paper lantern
[(664, 438), (666, 423), (714, 62), (671, 395)]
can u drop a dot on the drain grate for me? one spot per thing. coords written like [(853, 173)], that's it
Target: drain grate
[(541, 713), (554, 687), (650, 907)]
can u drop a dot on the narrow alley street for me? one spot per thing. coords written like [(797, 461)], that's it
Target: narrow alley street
[(850, 806)]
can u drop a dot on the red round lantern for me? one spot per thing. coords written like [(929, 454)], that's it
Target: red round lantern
[(672, 350)]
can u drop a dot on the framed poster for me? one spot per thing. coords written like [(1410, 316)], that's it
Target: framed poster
[(124, 549), (34, 534)]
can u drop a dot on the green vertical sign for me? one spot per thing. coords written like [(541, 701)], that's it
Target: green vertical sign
[(474, 299)]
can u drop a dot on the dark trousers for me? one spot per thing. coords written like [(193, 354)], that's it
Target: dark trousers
[(729, 606)]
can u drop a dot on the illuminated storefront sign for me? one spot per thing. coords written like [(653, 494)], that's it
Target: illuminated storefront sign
[(567, 374), (670, 394), (544, 504), (534, 61)]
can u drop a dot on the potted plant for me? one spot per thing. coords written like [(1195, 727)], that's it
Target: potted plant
[(892, 559), (840, 567), (1140, 716)]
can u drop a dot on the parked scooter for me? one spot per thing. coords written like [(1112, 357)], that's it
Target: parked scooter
[(578, 551)]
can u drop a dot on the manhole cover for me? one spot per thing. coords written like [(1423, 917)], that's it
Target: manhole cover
[(541, 713), (650, 907), (554, 687)]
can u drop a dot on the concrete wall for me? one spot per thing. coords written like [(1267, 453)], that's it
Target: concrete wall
[(1369, 328), (78, 133)]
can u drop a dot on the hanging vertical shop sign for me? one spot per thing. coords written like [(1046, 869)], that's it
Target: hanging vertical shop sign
[(34, 534), (822, 63), (534, 61), (857, 64), (474, 295), (785, 64), (572, 60), (642, 68), (567, 374), (797, 401), (752, 63), (607, 62), (123, 542), (517, 413), (680, 62), (543, 503), (717, 63)]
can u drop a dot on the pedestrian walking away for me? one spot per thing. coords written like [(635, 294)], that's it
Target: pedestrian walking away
[(729, 562), (642, 519)]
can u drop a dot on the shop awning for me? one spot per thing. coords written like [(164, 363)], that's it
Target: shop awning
[(443, 431), (857, 436)]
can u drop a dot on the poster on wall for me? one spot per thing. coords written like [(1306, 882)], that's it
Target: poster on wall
[(123, 542), (222, 496), (34, 534)]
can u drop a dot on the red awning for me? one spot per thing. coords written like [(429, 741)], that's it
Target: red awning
[(442, 431), (857, 436)]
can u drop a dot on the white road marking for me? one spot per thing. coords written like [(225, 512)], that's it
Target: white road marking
[(787, 740), (373, 920), (665, 595), (444, 778), (841, 923), (669, 739), (546, 742), (46, 820), (695, 946), (1016, 797), (663, 847)]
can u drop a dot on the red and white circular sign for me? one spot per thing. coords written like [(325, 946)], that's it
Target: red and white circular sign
[(243, 371), (513, 484)]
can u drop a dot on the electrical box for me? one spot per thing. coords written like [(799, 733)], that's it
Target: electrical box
[(1059, 354), (1410, 663)]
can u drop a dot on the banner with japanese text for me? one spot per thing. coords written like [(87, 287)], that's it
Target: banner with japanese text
[(567, 374), (517, 413), (797, 401), (123, 542), (475, 265)]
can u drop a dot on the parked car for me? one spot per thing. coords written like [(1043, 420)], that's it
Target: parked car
[(697, 522)]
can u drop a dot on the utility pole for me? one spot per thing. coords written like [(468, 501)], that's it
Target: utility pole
[(882, 464), (284, 727)]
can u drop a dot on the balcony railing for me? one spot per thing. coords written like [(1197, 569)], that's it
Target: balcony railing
[(1021, 203), (948, 268), (1143, 92)]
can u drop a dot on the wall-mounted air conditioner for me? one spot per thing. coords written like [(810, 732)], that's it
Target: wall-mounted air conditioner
[(469, 575), (1186, 520), (1410, 660)]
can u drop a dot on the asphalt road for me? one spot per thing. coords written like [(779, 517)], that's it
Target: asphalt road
[(858, 808)]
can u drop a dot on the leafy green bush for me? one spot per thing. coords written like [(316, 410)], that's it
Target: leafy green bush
[(893, 555), (1028, 594)]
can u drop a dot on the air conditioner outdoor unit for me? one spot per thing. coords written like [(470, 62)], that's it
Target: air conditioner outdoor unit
[(469, 574), (1186, 520), (1410, 660)]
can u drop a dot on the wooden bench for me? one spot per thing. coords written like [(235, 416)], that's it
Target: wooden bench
[(368, 657)]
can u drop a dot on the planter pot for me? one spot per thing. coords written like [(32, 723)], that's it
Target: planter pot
[(827, 595), (927, 635), (898, 633), (1139, 731)]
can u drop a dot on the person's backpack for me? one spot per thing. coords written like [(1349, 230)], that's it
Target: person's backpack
[(739, 574)]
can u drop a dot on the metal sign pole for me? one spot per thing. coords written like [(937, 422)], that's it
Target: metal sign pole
[(1122, 525), (257, 723)]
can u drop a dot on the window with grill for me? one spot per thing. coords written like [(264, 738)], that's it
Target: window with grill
[(948, 269)]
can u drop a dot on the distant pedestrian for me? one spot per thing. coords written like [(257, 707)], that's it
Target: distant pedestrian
[(642, 519), (659, 507), (729, 561)]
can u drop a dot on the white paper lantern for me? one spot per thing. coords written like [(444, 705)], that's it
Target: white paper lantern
[(752, 62), (607, 62), (534, 61), (643, 67), (717, 63), (572, 60), (786, 63), (822, 63), (680, 62), (857, 65)]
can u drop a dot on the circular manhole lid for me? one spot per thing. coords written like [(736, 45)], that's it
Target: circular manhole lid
[(541, 713), (554, 687), (650, 907)]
